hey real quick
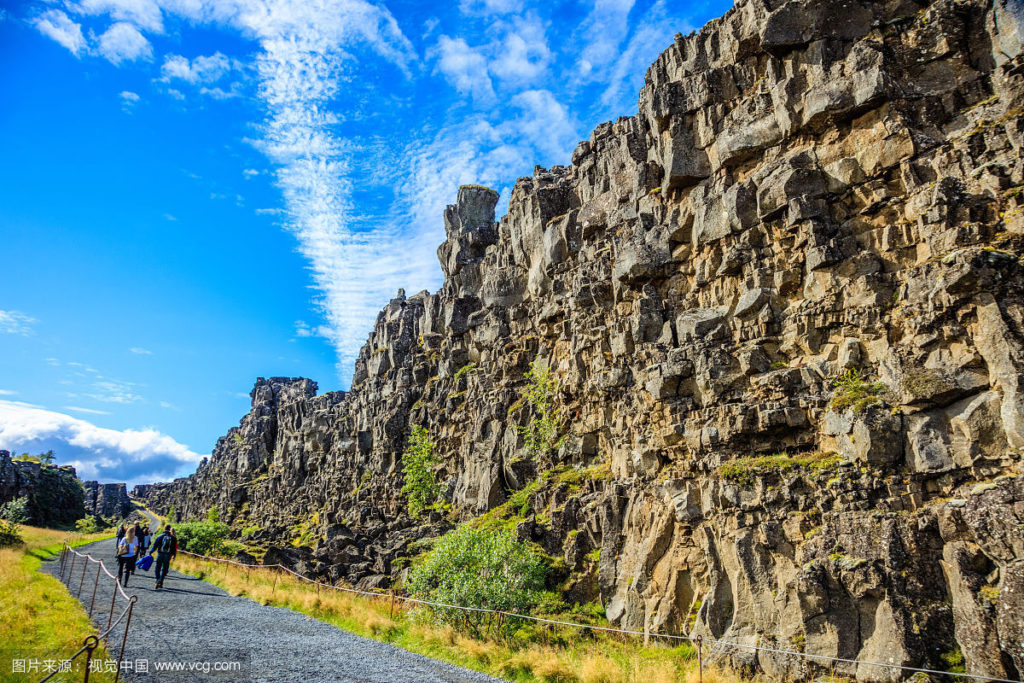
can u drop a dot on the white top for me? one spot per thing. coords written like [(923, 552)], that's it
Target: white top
[(132, 547)]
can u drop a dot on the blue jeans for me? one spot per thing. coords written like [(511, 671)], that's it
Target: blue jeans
[(163, 563)]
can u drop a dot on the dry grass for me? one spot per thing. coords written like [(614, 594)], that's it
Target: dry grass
[(39, 619), (600, 659)]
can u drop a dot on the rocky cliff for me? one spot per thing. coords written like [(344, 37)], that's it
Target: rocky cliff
[(55, 495), (783, 304), (109, 501)]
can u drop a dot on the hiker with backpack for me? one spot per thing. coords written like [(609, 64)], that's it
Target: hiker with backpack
[(121, 530), (166, 545), (127, 548)]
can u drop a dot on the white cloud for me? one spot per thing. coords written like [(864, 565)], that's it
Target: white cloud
[(523, 54), (91, 411), (464, 67), (122, 42), (57, 25), (144, 14), (169, 406), (128, 100), (488, 7), (16, 322), (114, 391), (600, 34), (132, 455), (139, 351), (7, 392), (202, 69), (250, 173), (170, 217), (545, 123)]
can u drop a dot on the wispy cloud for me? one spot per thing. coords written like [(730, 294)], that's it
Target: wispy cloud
[(114, 391), (202, 69), (58, 26), (122, 42), (139, 351), (131, 455), (8, 392), (91, 411), (128, 100), (16, 322)]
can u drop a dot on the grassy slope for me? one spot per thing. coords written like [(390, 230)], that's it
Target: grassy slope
[(38, 616), (557, 655)]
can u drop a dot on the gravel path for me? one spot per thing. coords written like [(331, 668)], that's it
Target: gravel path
[(192, 621)]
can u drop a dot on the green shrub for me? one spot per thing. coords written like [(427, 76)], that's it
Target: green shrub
[(853, 391), (87, 525), (15, 511), (205, 537), (487, 568), (418, 461), (10, 534), (543, 433)]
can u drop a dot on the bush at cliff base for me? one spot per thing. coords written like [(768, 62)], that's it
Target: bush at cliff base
[(10, 534), (15, 511), (490, 569), (205, 537)]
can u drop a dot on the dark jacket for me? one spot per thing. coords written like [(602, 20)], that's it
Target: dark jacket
[(159, 539)]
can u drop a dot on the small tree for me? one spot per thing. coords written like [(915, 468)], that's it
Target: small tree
[(418, 461), (172, 514), (543, 433), (213, 514), (47, 458), (87, 525), (486, 568), (15, 511)]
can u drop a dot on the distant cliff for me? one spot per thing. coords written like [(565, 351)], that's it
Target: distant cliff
[(109, 501), (55, 495), (784, 304)]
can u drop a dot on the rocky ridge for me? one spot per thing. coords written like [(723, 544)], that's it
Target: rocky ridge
[(109, 501), (784, 306), (55, 495)]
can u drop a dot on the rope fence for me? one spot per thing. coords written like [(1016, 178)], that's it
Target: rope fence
[(69, 559), (715, 647)]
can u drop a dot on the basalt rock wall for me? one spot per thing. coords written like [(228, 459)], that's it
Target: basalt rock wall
[(55, 495), (783, 303), (110, 501)]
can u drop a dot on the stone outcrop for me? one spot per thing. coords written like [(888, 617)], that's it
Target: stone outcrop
[(784, 306), (55, 495), (109, 501)]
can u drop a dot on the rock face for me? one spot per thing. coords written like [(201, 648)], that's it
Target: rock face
[(806, 242), (55, 495), (107, 500)]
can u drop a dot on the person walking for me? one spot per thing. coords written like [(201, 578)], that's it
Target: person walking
[(121, 530), (127, 549), (138, 548), (147, 538), (166, 545)]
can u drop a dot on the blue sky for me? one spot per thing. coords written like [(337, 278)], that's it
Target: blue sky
[(198, 192)]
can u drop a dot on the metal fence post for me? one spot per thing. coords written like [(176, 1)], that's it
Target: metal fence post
[(110, 617), (81, 583), (71, 570), (91, 642), (95, 585), (124, 639), (700, 659)]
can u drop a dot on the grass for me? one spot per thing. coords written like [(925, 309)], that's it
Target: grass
[(39, 619), (535, 653), (853, 391), (746, 470)]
